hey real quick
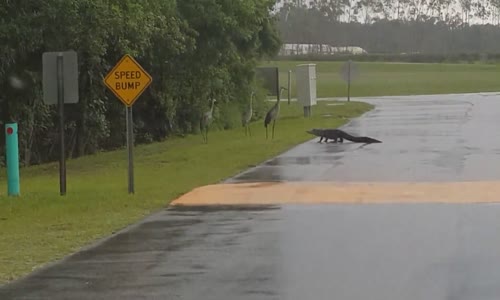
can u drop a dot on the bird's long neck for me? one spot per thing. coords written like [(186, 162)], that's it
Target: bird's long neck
[(251, 101), (279, 99), (277, 105), (212, 106), (281, 91)]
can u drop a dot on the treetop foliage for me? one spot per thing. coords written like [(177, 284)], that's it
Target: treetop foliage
[(193, 50)]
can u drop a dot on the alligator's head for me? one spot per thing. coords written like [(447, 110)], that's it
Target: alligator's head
[(315, 131)]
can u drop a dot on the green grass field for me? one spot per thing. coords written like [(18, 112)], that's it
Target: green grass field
[(385, 79), (41, 226)]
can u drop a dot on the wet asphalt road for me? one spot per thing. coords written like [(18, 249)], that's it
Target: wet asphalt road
[(425, 138), (346, 252), (376, 252)]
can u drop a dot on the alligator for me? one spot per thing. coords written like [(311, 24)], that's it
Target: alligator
[(339, 135)]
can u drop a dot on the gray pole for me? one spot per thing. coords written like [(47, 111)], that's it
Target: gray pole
[(349, 81), (289, 85), (130, 146), (60, 102)]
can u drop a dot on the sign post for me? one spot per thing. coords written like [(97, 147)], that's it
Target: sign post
[(289, 88), (60, 86), (349, 72), (128, 80), (60, 103)]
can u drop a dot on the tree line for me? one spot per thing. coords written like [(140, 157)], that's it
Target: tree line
[(193, 49), (444, 27)]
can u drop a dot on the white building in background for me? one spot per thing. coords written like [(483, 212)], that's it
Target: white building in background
[(300, 49)]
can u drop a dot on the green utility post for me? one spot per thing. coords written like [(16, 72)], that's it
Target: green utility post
[(12, 155)]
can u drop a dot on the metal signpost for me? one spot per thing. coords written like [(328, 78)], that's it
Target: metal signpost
[(349, 72), (128, 80), (60, 86), (289, 88)]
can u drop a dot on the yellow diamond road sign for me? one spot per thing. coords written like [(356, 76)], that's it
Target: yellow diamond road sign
[(127, 80)]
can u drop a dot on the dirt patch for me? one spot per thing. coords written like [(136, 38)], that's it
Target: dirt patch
[(340, 192)]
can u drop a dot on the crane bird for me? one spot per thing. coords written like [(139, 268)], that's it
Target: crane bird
[(206, 120), (273, 113), (248, 116)]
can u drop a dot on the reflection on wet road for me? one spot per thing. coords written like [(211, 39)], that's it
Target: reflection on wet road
[(425, 138)]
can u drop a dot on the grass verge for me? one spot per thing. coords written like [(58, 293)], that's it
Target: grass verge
[(387, 79), (40, 226)]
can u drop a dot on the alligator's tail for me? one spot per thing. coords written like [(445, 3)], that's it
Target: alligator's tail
[(360, 139), (367, 140)]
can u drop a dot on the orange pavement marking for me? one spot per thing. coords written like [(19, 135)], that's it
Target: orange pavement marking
[(342, 192)]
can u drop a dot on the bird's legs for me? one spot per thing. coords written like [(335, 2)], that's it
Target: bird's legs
[(201, 132), (249, 131), (266, 134), (274, 123), (204, 134)]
